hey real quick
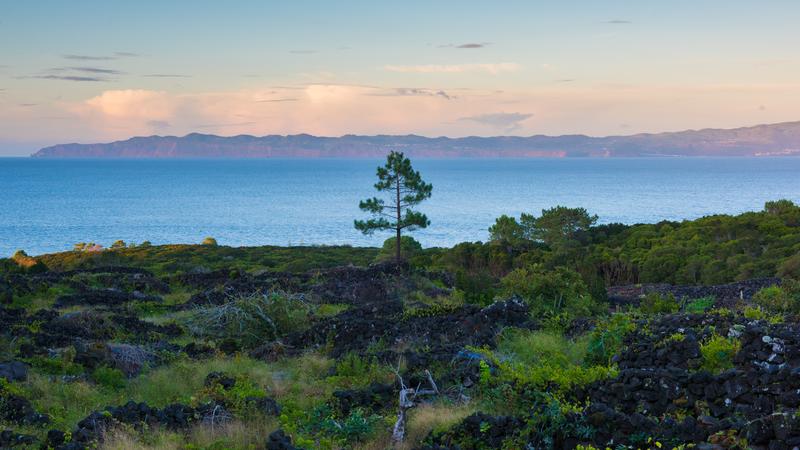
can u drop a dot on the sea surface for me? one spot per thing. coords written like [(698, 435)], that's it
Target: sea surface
[(49, 205)]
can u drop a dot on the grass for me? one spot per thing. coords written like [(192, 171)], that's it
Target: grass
[(353, 371), (236, 435), (67, 402), (296, 379), (433, 417), (700, 305), (532, 348)]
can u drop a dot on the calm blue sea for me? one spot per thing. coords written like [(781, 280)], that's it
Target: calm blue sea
[(49, 205)]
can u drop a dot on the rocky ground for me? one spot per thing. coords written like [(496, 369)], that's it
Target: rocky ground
[(378, 333)]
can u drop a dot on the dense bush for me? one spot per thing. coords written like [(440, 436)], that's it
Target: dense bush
[(477, 288), (711, 250), (718, 353), (783, 299), (109, 377), (410, 250), (790, 267), (549, 292)]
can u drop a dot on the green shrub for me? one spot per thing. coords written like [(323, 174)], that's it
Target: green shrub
[(56, 366), (353, 370), (700, 305), (109, 377), (410, 249), (210, 241), (758, 313), (476, 288), (718, 352), (790, 267), (656, 303), (606, 340), (251, 320), (783, 299), (549, 292), (534, 348), (239, 397), (357, 426), (29, 263)]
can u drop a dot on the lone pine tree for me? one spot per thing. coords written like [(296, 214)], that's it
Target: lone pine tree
[(406, 189)]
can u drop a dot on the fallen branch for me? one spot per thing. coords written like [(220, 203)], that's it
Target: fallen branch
[(406, 400)]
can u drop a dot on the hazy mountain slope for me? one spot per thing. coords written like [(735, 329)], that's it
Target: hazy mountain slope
[(782, 138)]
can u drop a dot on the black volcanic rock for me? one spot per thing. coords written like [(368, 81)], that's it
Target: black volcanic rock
[(773, 139)]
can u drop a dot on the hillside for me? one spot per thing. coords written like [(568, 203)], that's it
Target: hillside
[(761, 140)]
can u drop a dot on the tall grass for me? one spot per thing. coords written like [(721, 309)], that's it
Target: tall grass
[(532, 348)]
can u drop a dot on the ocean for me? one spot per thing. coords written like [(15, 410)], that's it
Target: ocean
[(49, 205)]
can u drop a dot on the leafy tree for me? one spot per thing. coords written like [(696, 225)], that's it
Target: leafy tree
[(778, 207), (790, 268), (406, 189), (557, 225), (506, 229), (210, 241), (785, 209), (118, 244)]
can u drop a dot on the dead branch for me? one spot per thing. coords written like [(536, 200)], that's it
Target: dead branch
[(406, 401)]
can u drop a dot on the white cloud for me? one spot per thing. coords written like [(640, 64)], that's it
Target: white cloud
[(132, 104), (501, 120), (492, 68), (334, 109)]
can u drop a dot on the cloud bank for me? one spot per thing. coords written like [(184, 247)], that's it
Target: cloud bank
[(492, 68), (330, 109)]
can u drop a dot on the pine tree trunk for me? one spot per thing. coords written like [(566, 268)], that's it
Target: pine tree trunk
[(397, 242)]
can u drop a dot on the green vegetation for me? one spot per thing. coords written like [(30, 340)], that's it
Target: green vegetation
[(281, 337), (699, 305), (532, 348), (606, 339), (711, 250), (250, 320), (549, 293), (784, 299), (718, 353), (410, 250), (655, 303), (174, 259)]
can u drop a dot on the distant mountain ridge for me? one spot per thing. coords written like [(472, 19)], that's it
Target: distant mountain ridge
[(760, 140)]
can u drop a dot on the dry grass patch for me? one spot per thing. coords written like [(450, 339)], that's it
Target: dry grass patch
[(432, 417), (236, 435)]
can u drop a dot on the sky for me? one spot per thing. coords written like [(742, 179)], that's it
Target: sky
[(98, 71)]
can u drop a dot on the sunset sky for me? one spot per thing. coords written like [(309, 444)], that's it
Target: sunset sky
[(97, 71)]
